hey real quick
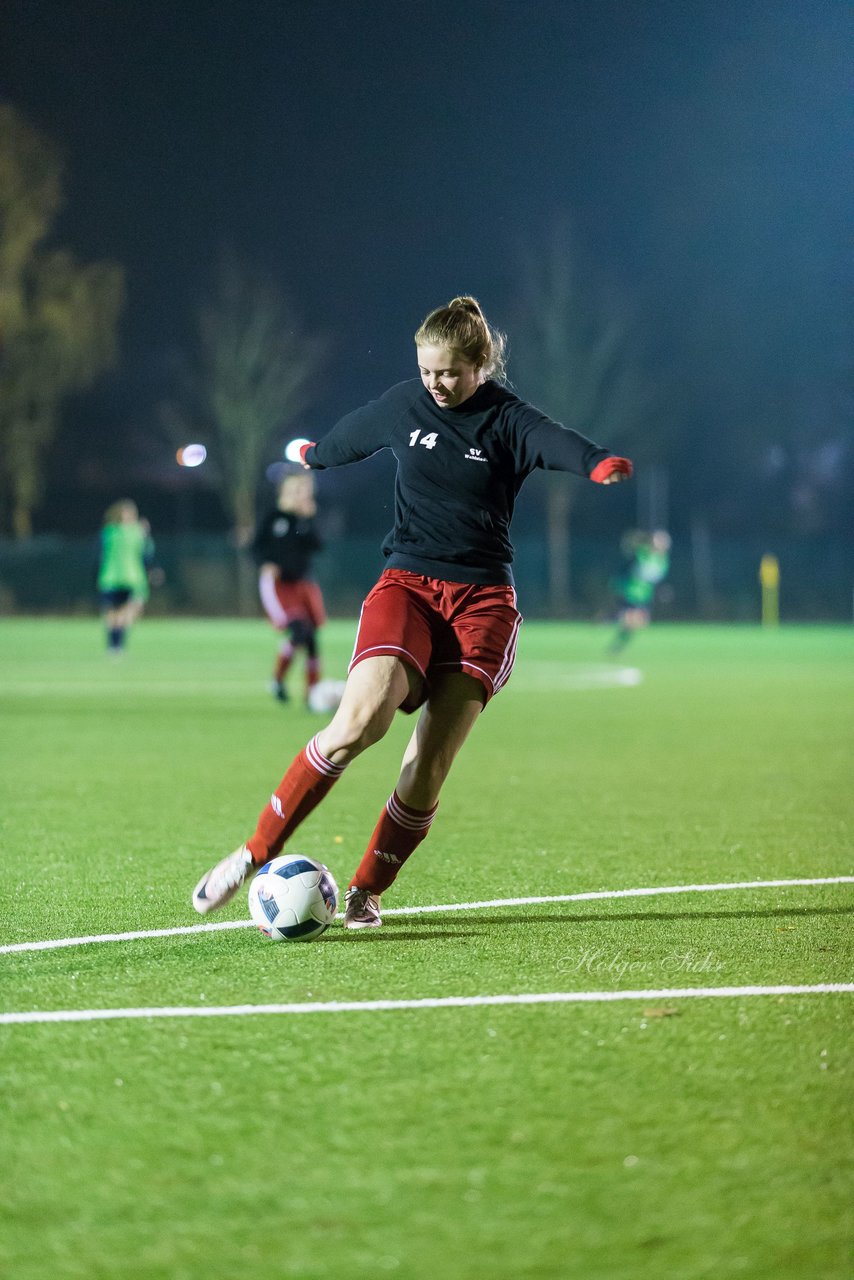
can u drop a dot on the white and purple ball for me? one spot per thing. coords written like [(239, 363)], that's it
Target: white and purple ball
[(293, 898)]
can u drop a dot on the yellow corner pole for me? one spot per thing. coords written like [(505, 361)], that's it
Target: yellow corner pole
[(769, 577)]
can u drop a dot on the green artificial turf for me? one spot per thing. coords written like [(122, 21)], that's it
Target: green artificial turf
[(658, 1138)]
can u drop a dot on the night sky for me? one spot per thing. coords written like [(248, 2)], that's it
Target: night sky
[(378, 158)]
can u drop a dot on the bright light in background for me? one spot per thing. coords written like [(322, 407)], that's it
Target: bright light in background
[(292, 449), (192, 455)]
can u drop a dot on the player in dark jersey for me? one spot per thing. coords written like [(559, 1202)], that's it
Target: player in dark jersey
[(439, 629), (284, 545)]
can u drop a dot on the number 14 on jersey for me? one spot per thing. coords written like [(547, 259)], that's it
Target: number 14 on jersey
[(429, 441)]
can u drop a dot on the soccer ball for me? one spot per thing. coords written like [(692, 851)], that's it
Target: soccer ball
[(293, 899), (323, 697)]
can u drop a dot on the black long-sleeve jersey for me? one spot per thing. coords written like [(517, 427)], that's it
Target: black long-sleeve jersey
[(458, 473), (287, 541)]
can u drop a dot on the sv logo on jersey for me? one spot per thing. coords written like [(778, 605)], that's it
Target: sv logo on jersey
[(475, 455)]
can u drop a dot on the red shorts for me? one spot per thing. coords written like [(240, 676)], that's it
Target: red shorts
[(437, 626), (287, 602)]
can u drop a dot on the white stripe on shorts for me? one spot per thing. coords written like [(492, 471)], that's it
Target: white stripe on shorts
[(509, 656), (385, 650)]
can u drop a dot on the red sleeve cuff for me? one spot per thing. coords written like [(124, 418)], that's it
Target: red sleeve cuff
[(304, 450), (608, 466)]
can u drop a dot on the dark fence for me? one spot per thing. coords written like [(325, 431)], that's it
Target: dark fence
[(713, 578)]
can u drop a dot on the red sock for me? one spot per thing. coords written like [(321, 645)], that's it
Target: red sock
[(303, 787), (398, 833), (312, 673)]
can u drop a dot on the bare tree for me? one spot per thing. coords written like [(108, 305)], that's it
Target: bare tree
[(255, 367), (574, 356), (58, 318), (249, 386)]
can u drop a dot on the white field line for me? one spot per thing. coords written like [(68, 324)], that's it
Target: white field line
[(562, 677), (444, 1002), (149, 688), (598, 895), (547, 677)]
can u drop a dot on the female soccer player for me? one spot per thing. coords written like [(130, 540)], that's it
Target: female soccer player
[(284, 545), (438, 631)]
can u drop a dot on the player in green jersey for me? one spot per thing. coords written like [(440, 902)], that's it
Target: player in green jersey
[(636, 586), (126, 551)]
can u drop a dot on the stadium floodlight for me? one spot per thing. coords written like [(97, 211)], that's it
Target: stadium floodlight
[(293, 447), (191, 455)]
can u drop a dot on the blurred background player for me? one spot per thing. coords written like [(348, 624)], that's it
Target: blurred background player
[(126, 553), (649, 564), (284, 545)]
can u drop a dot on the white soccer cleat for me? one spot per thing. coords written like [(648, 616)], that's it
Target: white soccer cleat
[(221, 883), (361, 909)]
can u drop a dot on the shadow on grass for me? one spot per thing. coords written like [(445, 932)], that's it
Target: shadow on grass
[(399, 935), (553, 917)]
